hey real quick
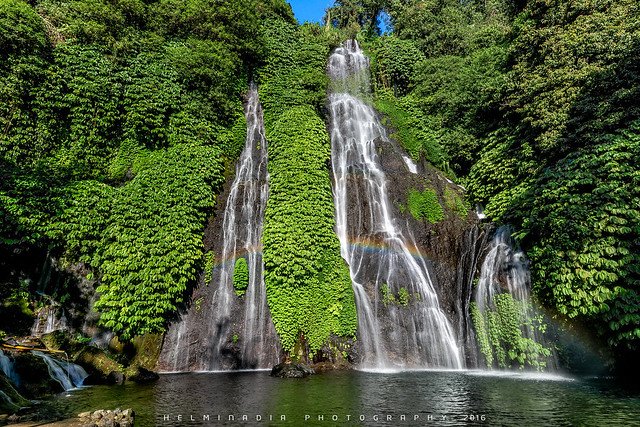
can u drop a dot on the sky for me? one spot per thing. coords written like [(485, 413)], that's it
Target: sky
[(309, 10)]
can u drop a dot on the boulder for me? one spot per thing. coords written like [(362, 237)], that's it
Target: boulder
[(291, 370), (141, 375), (34, 376), (101, 368)]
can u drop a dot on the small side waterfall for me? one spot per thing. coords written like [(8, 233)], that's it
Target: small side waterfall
[(47, 321), (6, 364), (68, 374), (508, 327), (505, 269), (382, 255), (219, 333)]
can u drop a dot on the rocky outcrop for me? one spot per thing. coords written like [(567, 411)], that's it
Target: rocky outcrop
[(34, 374), (291, 370), (101, 368), (138, 357)]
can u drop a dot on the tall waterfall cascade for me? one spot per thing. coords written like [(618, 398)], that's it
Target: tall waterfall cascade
[(218, 332), (68, 374), (381, 252)]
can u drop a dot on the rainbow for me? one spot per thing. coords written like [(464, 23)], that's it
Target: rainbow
[(379, 245)]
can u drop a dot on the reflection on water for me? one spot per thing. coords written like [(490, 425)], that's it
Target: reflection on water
[(422, 397)]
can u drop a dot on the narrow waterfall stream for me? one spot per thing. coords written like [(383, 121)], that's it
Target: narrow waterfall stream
[(381, 253), (218, 333), (503, 292)]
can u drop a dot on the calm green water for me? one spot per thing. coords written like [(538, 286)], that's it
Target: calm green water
[(345, 398)]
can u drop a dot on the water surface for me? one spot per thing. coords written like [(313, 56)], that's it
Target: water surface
[(344, 398)]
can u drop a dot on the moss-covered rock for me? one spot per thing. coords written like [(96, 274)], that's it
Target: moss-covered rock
[(101, 368), (147, 351), (10, 400), (99, 364), (34, 376)]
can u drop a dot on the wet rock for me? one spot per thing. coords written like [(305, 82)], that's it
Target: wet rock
[(142, 376), (147, 351), (101, 368), (34, 375), (291, 370), (115, 377), (10, 400)]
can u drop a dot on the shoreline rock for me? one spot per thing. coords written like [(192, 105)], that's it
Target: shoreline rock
[(110, 418)]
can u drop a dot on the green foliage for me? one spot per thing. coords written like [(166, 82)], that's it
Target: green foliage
[(522, 100), (116, 119), (387, 296), (159, 215), (582, 222), (455, 203), (425, 205), (356, 15), (403, 297), (576, 74), (449, 27), (209, 260), (22, 31), (394, 63), (84, 220), (502, 334), (295, 72), (240, 276), (482, 335), (308, 284), (413, 129)]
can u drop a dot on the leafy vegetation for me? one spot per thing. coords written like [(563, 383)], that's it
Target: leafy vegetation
[(424, 205), (116, 122), (308, 285), (241, 276), (504, 332)]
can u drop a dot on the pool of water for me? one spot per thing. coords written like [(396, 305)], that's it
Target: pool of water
[(365, 398)]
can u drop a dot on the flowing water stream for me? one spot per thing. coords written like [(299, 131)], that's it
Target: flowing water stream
[(68, 374), (6, 365), (381, 253), (213, 335)]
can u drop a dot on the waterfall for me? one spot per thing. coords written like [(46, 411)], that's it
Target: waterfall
[(6, 365), (68, 374), (505, 272), (232, 336), (47, 321), (502, 258), (382, 255)]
